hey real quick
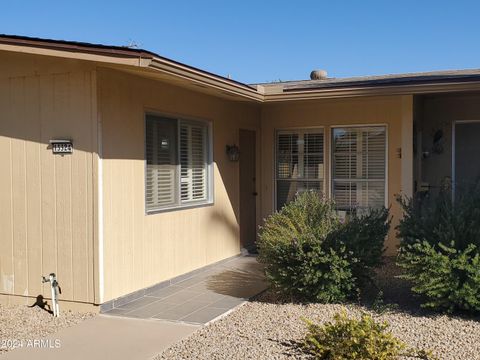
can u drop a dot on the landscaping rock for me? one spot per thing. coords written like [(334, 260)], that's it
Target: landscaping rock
[(268, 328), (262, 330), (22, 323)]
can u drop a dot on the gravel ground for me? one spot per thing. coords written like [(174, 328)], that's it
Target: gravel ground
[(270, 329), (23, 323)]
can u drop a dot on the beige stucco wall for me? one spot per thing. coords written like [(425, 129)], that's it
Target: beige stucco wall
[(46, 200), (141, 250), (391, 111)]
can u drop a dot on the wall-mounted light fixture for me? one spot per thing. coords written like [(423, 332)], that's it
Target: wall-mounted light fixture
[(233, 152)]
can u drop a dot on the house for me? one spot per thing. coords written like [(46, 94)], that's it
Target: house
[(116, 174)]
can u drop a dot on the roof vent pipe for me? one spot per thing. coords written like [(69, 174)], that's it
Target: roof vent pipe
[(318, 75)]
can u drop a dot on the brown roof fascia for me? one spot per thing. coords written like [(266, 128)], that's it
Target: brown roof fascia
[(107, 50)]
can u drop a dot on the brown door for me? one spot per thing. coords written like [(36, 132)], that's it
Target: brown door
[(248, 191)]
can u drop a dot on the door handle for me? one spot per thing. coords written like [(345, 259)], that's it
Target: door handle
[(255, 193)]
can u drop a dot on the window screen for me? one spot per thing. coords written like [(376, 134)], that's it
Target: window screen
[(177, 163), (359, 167), (299, 163)]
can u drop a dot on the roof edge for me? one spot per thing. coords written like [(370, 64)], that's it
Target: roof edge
[(365, 91), (400, 84), (125, 56), (75, 46)]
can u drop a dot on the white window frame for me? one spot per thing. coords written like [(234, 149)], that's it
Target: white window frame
[(333, 127), (210, 168), (295, 130)]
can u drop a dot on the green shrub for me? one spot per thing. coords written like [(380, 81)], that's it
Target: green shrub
[(352, 339), (440, 250), (447, 277), (363, 236), (438, 219), (310, 255), (303, 270)]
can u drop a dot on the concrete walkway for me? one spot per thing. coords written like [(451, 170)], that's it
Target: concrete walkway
[(146, 326), (107, 337)]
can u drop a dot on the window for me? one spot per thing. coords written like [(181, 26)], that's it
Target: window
[(178, 169), (359, 167), (299, 163)]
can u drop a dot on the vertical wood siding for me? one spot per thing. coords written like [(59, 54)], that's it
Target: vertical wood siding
[(46, 200)]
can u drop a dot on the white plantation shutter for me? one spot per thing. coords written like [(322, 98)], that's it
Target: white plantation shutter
[(359, 163), (193, 161), (177, 163), (299, 163), (161, 162)]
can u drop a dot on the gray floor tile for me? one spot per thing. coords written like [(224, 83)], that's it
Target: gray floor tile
[(135, 304), (227, 302), (183, 295), (186, 308), (168, 316), (201, 297), (163, 293), (117, 311), (209, 297), (204, 315), (199, 286), (152, 309), (190, 281)]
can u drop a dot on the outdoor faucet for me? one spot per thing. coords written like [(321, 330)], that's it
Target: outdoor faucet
[(52, 279)]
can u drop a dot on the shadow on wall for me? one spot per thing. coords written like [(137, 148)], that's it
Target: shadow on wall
[(221, 218)]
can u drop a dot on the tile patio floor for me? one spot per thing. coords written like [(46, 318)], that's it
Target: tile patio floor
[(202, 297)]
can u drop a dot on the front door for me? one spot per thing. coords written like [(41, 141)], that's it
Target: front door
[(466, 164), (248, 190)]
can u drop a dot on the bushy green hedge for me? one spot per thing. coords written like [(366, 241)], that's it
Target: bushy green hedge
[(310, 255), (440, 250), (363, 236), (352, 339)]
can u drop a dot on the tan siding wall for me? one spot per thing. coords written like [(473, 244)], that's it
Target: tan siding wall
[(328, 113), (46, 211), (141, 250)]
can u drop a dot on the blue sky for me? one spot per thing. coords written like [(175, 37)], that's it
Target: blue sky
[(261, 41)]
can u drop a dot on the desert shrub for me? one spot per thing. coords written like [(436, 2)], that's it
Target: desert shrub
[(439, 219), (302, 269), (310, 255), (449, 278), (363, 236), (352, 339), (440, 250)]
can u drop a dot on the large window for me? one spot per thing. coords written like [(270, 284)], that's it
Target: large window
[(359, 167), (299, 163), (178, 170)]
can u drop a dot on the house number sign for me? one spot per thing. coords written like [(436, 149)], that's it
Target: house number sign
[(61, 146)]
